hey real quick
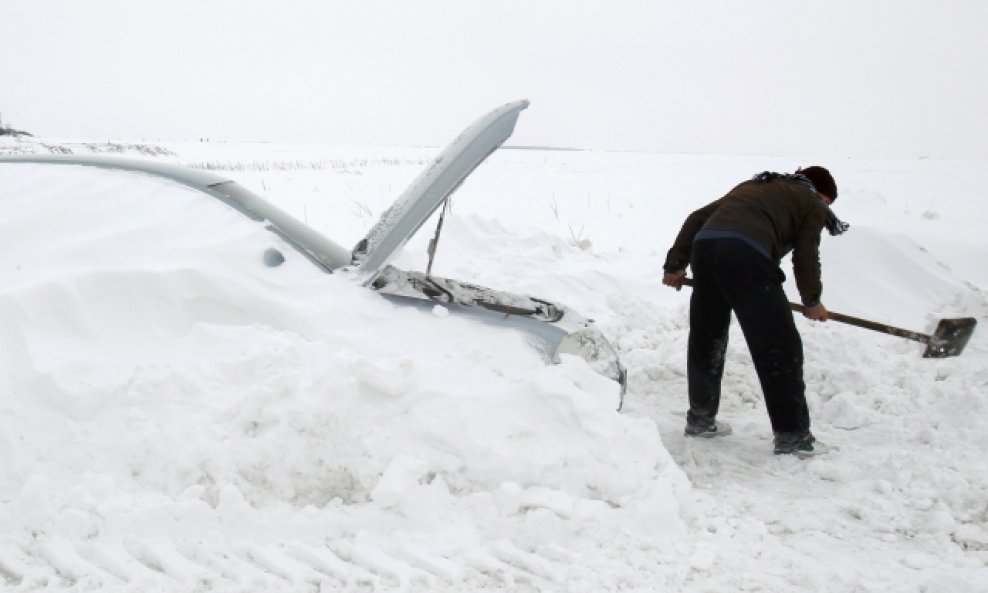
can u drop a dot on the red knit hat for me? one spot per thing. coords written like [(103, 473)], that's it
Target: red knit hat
[(821, 179)]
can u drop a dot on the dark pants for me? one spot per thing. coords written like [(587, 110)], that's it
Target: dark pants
[(728, 275)]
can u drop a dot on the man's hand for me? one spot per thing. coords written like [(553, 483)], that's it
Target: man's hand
[(674, 279), (817, 312)]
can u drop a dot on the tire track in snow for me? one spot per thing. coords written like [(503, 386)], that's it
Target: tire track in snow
[(356, 564)]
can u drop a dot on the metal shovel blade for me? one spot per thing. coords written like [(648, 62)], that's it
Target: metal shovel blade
[(950, 337)]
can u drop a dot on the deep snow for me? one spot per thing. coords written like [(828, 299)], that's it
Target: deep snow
[(177, 416)]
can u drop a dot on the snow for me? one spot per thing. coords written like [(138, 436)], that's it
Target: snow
[(178, 416)]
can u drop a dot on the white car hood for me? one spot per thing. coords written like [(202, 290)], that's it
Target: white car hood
[(431, 188)]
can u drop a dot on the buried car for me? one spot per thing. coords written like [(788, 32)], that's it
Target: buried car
[(558, 329)]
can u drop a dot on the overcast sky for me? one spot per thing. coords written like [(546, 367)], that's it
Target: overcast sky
[(868, 78)]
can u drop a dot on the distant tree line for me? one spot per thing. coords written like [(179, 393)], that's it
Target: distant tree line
[(6, 130)]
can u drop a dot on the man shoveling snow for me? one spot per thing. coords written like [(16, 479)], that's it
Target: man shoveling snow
[(734, 245)]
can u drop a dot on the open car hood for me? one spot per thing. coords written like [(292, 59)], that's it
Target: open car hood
[(431, 188)]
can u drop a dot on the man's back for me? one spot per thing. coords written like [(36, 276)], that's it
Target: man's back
[(776, 214)]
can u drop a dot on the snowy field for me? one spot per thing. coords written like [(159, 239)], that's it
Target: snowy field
[(175, 416)]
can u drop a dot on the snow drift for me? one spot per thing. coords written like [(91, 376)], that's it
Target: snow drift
[(178, 415)]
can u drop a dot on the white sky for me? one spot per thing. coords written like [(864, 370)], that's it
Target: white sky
[(871, 78)]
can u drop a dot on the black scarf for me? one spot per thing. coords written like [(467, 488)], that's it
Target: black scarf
[(835, 226)]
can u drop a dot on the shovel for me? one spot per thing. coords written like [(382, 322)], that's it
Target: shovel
[(948, 339)]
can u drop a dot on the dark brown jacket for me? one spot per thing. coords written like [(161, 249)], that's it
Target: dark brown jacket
[(781, 215)]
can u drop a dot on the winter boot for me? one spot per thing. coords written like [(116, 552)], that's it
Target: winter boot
[(801, 444), (709, 430)]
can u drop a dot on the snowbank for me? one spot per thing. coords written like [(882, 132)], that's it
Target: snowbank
[(178, 415)]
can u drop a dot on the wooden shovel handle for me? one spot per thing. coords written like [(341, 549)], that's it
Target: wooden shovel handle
[(858, 322)]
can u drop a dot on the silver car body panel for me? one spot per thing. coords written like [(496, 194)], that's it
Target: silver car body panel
[(324, 252), (560, 329), (432, 187)]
